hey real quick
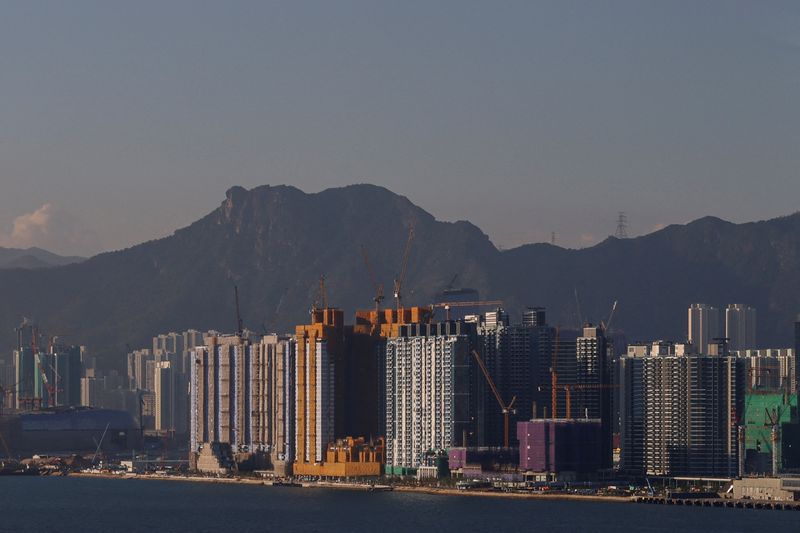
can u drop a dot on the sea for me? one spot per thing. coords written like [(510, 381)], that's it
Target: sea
[(67, 504)]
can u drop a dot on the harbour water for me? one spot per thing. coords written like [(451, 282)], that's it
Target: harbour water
[(69, 504)]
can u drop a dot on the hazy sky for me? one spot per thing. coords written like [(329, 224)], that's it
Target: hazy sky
[(122, 121)]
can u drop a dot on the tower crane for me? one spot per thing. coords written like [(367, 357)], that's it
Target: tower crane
[(505, 409), (554, 375), (51, 390), (398, 282), (477, 303), (321, 297), (378, 287), (607, 324)]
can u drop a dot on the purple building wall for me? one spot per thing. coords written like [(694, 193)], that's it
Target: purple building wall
[(561, 445)]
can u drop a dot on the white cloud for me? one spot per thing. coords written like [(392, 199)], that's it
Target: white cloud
[(54, 230)]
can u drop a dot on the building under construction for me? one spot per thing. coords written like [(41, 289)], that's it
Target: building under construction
[(560, 449), (771, 432)]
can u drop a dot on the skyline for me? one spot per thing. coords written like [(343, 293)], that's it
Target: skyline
[(123, 123)]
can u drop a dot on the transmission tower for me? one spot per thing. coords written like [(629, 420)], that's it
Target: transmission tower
[(622, 226)]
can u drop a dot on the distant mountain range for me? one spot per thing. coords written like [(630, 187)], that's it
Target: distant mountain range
[(33, 258), (275, 241)]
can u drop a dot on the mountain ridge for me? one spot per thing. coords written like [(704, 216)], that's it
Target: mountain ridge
[(275, 241)]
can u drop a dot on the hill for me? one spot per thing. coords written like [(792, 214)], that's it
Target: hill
[(33, 258), (275, 241)]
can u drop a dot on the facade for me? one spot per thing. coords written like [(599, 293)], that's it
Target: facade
[(239, 399), (703, 326), (590, 394), (770, 369), (679, 413), (740, 327), (319, 345), (427, 391), (68, 370)]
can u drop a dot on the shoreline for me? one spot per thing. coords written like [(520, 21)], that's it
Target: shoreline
[(433, 491)]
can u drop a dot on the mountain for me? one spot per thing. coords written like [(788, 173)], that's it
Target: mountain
[(33, 258), (275, 241)]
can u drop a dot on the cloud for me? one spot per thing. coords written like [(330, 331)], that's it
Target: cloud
[(54, 230)]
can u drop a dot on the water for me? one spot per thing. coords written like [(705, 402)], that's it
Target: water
[(80, 504)]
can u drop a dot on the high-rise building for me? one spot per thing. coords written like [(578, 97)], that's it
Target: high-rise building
[(164, 396), (590, 394), (679, 412), (68, 370), (137, 368), (518, 357), (703, 326), (319, 345), (740, 327), (770, 369), (241, 396), (427, 391)]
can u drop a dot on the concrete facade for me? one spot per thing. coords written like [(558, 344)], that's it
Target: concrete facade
[(241, 396), (740, 327), (703, 326), (679, 414)]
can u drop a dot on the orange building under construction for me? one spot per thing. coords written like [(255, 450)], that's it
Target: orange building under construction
[(338, 388)]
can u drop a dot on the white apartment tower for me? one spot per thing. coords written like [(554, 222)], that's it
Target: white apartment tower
[(427, 392), (703, 326), (740, 327)]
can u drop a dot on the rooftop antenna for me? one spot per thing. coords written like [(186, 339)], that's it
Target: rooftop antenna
[(622, 226)]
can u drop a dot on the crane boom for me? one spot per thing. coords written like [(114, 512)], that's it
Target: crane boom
[(554, 375), (476, 303), (378, 287), (51, 390), (398, 282), (505, 409)]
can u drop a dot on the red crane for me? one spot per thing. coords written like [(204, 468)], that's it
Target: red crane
[(505, 409)]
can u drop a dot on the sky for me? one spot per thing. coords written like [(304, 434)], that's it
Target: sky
[(123, 121)]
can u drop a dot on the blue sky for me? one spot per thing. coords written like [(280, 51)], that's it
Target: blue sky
[(122, 121)]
